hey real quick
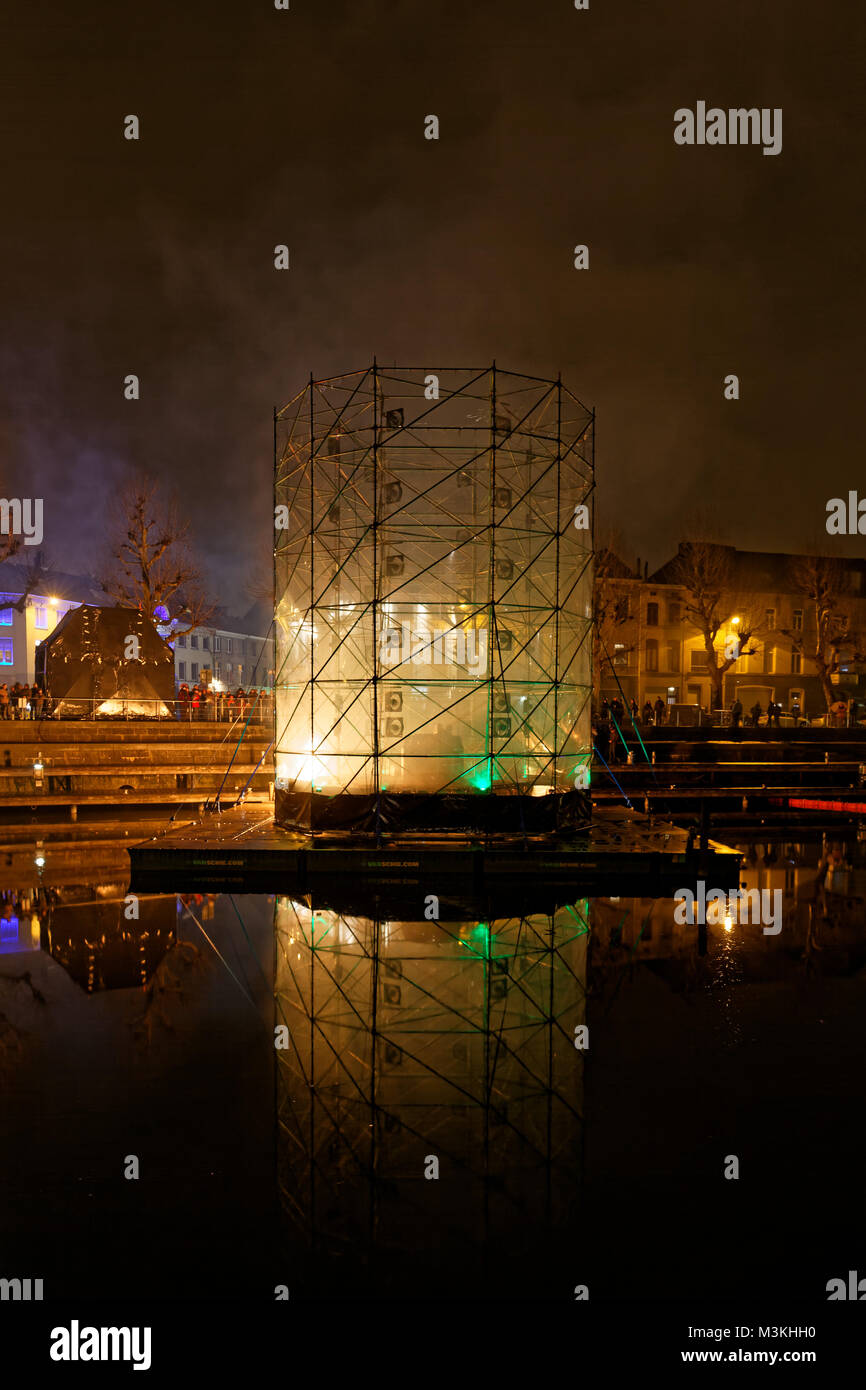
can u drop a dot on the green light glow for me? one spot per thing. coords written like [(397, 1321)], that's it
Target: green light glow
[(481, 777), (479, 944)]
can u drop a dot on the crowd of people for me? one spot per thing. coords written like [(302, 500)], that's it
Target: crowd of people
[(652, 713), (756, 714), (608, 730), (611, 726), (203, 702), (23, 701)]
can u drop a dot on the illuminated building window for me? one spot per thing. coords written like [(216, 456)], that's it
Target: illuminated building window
[(6, 617), (798, 620), (796, 663), (41, 616), (6, 657), (697, 660)]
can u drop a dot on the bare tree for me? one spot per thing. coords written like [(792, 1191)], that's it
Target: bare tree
[(10, 544), (150, 564), (705, 571), (33, 576), (829, 636), (258, 583)]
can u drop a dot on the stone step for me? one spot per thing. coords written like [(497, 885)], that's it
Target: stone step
[(166, 797), (72, 731)]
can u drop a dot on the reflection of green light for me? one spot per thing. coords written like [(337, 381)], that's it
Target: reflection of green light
[(580, 913), (326, 931)]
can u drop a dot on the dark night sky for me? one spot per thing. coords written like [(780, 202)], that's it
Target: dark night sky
[(259, 127)]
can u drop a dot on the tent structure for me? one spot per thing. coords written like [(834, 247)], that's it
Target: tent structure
[(109, 662)]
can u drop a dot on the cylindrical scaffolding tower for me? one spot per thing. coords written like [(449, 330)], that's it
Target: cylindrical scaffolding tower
[(433, 587)]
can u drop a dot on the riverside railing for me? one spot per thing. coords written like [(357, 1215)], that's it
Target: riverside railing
[(127, 710)]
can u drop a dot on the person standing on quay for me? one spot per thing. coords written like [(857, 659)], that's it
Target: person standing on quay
[(602, 739), (660, 710)]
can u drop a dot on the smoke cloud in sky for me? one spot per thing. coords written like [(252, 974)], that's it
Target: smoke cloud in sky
[(260, 127)]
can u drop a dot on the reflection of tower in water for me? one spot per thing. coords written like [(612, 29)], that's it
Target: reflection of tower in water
[(420, 1043)]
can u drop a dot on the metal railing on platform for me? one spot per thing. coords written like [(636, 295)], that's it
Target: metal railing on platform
[(214, 711)]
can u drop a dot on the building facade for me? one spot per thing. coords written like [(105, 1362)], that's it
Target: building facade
[(653, 651), (23, 627), (224, 655), (234, 652)]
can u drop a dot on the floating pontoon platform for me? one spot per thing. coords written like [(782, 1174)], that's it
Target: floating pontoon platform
[(243, 851)]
